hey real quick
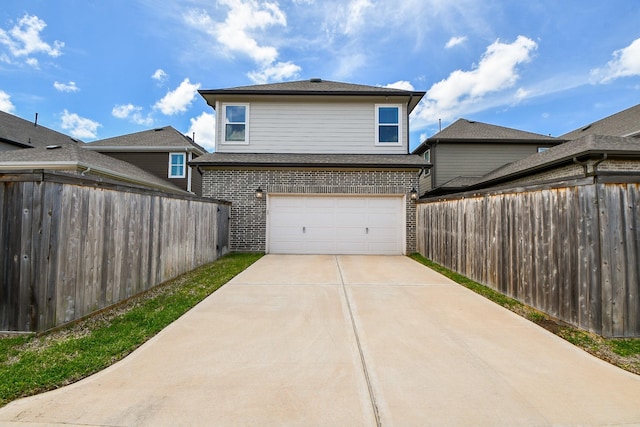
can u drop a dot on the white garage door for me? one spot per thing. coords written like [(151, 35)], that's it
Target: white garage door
[(335, 225)]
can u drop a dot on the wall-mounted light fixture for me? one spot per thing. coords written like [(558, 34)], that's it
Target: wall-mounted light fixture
[(414, 194), (259, 193)]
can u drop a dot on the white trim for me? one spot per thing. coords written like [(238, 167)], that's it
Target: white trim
[(378, 124), (223, 123), (184, 165), (189, 172), (133, 149)]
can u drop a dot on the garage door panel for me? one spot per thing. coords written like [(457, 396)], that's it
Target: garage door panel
[(335, 224)]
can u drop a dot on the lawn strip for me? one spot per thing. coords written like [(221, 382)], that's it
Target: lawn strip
[(624, 353), (33, 364)]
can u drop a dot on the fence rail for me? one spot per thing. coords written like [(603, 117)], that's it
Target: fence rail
[(71, 246), (572, 251)]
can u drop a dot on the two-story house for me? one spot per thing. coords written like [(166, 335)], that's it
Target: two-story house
[(164, 152), (466, 150), (315, 166)]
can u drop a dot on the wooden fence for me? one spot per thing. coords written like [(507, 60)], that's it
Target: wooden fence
[(572, 251), (71, 246)]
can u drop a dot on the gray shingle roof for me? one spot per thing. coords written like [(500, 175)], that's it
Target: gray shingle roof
[(160, 139), (463, 130), (24, 133), (394, 161), (73, 156), (589, 145), (313, 87), (624, 123)]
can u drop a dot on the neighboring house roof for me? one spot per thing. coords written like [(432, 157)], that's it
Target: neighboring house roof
[(160, 139), (595, 146), (26, 134), (625, 123), (312, 87), (393, 161), (72, 157), (469, 131)]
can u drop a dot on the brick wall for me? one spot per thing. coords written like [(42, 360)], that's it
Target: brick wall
[(248, 214)]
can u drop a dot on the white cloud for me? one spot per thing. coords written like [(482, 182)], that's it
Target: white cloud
[(178, 100), (5, 102), (238, 34), (204, 127), (66, 87), (401, 84), (276, 72), (159, 75), (466, 90), (133, 113), (625, 63), (455, 41), (79, 127), (355, 15), (23, 40)]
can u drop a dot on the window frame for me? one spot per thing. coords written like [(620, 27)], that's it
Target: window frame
[(224, 123), (378, 124), (183, 165)]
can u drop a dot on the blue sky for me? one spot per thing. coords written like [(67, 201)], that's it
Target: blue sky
[(95, 68)]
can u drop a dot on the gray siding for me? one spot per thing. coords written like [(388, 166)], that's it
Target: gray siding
[(314, 128), (459, 159), (158, 164)]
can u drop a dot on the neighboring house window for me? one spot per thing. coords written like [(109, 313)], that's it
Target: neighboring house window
[(388, 124), (427, 155), (236, 121), (542, 149), (177, 165)]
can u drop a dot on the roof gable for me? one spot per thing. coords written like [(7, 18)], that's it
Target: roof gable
[(463, 130), (24, 134), (161, 139), (626, 123)]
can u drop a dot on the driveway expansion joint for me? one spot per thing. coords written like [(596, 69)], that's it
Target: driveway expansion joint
[(372, 396)]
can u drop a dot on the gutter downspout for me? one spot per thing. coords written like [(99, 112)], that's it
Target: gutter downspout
[(189, 158), (585, 165)]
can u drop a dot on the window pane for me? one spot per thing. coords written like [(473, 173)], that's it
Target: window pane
[(388, 134), (177, 165), (235, 114), (388, 115), (234, 132)]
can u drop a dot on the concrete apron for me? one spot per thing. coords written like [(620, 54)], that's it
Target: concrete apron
[(345, 340)]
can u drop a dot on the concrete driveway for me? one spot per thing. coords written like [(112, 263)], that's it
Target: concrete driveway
[(345, 341)]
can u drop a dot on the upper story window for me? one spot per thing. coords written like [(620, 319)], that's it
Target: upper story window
[(236, 123), (427, 155), (388, 129), (177, 165), (542, 149)]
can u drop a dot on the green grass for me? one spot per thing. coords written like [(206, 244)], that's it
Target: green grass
[(625, 347), (33, 364)]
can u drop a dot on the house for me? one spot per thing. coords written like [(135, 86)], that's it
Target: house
[(17, 133), (74, 159), (315, 166), (625, 123), (164, 152), (466, 150)]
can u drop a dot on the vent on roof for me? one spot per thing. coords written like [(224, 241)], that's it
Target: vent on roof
[(585, 128), (53, 147), (158, 129), (315, 80)]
